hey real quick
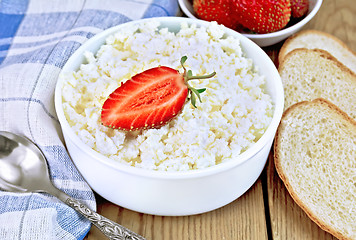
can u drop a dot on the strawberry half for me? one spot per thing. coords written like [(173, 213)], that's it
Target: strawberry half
[(150, 99), (217, 10), (262, 16)]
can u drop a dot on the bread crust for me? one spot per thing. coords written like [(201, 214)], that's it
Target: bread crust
[(322, 53), (283, 51), (284, 178), (346, 77)]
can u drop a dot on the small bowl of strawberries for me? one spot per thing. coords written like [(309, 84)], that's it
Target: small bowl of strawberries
[(263, 21)]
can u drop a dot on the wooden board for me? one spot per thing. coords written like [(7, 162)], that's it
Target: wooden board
[(242, 219), (266, 211)]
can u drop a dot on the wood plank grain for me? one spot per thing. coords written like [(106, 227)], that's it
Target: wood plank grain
[(337, 17), (287, 220), (244, 218)]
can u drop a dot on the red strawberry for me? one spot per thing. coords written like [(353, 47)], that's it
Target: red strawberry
[(215, 10), (299, 8), (149, 99), (262, 16)]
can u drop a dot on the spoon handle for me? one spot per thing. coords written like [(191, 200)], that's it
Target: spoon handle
[(111, 229)]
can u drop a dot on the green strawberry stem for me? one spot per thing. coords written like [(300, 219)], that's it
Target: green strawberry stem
[(188, 75)]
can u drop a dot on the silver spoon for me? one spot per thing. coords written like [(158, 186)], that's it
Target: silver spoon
[(23, 168)]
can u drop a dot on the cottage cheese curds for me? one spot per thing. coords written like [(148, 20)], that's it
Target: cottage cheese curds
[(234, 113)]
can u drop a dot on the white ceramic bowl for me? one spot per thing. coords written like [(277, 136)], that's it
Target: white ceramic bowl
[(173, 193), (267, 39)]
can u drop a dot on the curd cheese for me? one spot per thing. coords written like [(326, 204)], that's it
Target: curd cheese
[(234, 113)]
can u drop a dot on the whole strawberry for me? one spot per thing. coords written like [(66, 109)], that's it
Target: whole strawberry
[(150, 99), (215, 10), (299, 8), (262, 16)]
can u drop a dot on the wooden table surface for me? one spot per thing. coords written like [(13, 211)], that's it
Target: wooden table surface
[(265, 211)]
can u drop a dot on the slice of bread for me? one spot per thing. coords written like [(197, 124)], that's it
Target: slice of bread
[(315, 156), (308, 74), (313, 39)]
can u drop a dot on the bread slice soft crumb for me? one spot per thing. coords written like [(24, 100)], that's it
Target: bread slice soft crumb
[(314, 39), (315, 156), (308, 74)]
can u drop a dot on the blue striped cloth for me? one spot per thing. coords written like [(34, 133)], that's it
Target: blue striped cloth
[(36, 39)]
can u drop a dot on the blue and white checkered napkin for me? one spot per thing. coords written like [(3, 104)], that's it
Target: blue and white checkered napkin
[(36, 39)]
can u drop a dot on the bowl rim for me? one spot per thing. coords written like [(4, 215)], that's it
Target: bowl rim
[(284, 31), (243, 157)]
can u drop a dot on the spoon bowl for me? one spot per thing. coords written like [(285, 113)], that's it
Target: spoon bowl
[(21, 161), (23, 168)]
